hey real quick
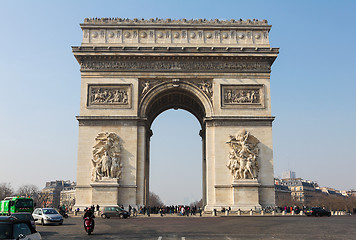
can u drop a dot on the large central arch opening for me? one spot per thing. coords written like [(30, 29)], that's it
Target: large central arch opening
[(176, 158), (174, 149)]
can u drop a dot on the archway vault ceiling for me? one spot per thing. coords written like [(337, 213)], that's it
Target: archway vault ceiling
[(175, 99)]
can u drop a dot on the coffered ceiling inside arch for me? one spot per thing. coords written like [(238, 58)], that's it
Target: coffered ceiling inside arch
[(175, 99)]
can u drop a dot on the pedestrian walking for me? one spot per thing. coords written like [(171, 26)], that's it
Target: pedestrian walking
[(148, 211)]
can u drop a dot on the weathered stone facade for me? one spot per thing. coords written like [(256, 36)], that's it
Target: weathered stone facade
[(133, 70)]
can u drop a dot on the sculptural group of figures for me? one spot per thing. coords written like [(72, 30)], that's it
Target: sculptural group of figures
[(243, 155), (242, 96), (102, 95), (106, 157)]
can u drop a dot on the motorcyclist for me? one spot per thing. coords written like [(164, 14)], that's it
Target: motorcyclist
[(62, 211), (89, 214)]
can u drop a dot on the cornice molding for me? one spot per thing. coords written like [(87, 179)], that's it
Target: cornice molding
[(183, 49), (111, 121), (210, 122), (169, 21), (239, 121)]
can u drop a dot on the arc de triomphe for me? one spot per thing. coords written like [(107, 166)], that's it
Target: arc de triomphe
[(133, 70)]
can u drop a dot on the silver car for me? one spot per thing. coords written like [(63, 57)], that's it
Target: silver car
[(47, 216)]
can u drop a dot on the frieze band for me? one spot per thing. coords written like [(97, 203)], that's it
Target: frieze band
[(178, 66)]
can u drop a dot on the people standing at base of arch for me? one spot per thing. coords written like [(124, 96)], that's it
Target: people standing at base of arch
[(180, 210)]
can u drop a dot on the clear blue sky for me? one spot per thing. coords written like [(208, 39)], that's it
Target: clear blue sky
[(313, 85)]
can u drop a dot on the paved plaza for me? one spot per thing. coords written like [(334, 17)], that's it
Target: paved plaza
[(221, 227)]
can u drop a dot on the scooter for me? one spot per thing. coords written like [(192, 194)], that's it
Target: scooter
[(89, 225), (64, 214)]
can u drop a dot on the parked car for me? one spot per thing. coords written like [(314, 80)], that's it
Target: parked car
[(317, 212), (47, 216), (109, 212), (13, 228), (26, 216)]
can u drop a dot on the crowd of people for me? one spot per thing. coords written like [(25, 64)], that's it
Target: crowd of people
[(289, 209), (181, 210)]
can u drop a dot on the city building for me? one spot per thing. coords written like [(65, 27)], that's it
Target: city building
[(330, 191), (288, 174), (282, 193), (67, 197), (300, 190), (307, 193), (50, 195)]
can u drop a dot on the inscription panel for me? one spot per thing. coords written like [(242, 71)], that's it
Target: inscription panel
[(242, 96), (109, 96)]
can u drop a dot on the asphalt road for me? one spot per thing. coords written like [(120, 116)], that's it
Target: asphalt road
[(224, 227)]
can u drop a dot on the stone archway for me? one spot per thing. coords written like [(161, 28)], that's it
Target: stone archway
[(192, 95), (132, 70)]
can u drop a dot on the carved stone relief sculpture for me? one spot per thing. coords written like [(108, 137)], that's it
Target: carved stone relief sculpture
[(106, 159), (243, 155), (242, 96), (148, 84), (204, 85), (177, 65), (118, 95)]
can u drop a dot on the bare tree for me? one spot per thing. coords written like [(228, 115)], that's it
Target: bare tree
[(198, 204), (5, 190), (29, 190), (284, 200), (44, 199), (154, 200), (333, 202)]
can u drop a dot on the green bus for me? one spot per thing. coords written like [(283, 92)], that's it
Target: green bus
[(12, 205)]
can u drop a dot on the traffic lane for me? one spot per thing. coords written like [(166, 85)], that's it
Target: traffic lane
[(340, 227)]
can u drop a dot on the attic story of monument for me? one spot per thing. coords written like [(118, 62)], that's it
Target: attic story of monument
[(133, 70)]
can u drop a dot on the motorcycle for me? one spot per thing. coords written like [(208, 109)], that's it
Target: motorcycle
[(89, 225), (64, 214)]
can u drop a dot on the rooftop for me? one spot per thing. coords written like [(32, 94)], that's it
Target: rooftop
[(168, 21)]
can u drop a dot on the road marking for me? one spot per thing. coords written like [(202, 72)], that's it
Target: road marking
[(159, 238)]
